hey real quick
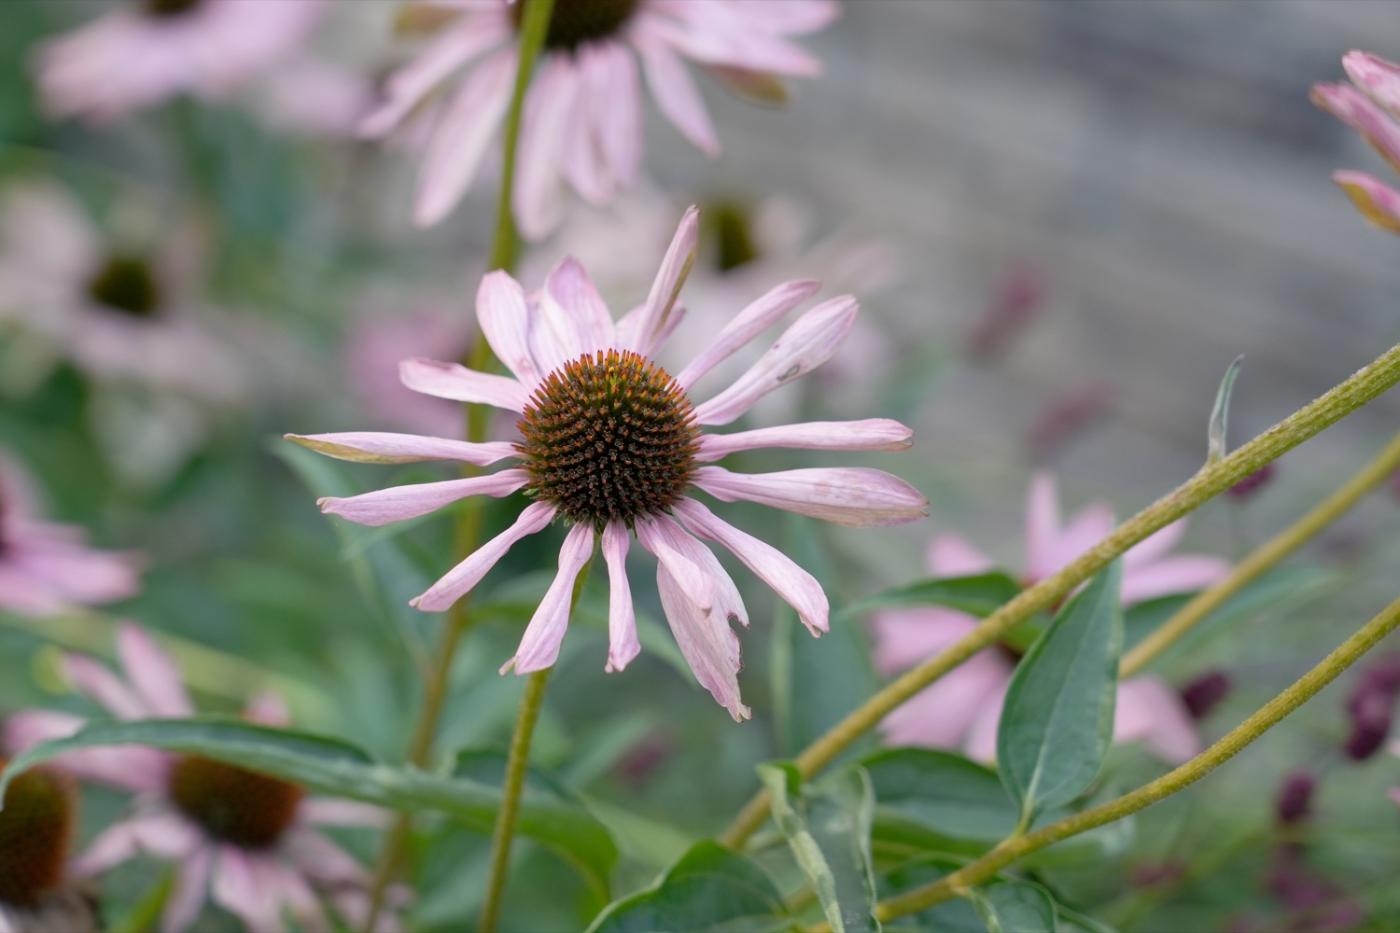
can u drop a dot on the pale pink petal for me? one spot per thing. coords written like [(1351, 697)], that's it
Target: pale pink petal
[(941, 715), (464, 131), (1379, 78), (131, 767), (246, 885), (623, 645), (758, 316), (153, 675), (398, 503), (538, 195), (796, 586), (454, 381), (103, 687), (460, 579), (676, 95), (792, 17), (1088, 527), (569, 290), (23, 596), (1358, 111), (189, 892), (681, 570), (267, 708), (321, 859), (810, 341), (164, 835), (618, 110), (1378, 202), (453, 48), (1184, 573), (329, 811), (981, 742), (1153, 712), (872, 434), (1155, 546), (582, 159), (666, 287), (853, 496), (382, 447), (709, 645), (539, 647), (728, 602), (75, 574), (1042, 526), (504, 316), (954, 556), (904, 637)]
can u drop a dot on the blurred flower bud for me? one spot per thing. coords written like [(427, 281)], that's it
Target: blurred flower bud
[(1019, 300), (1202, 694), (1251, 484), (1065, 416), (1370, 724), (641, 762), (1295, 798)]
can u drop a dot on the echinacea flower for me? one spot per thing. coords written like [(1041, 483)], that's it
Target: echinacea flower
[(37, 825), (45, 567), (583, 112), (1371, 106), (612, 444), (248, 841), (150, 50), (963, 709)]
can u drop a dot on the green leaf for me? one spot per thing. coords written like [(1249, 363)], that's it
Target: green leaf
[(979, 594), (827, 826), (710, 888), (330, 766), (1003, 906), (1216, 439), (1015, 907), (934, 799), (1057, 721), (1071, 921)]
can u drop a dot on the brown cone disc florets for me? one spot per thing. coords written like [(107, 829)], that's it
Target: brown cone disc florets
[(574, 22), (609, 436), (169, 7), (36, 832), (126, 283), (234, 804)]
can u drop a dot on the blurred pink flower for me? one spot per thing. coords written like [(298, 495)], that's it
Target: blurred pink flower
[(583, 117), (44, 567), (1372, 108), (245, 840), (963, 709), (375, 345), (150, 50), (611, 443)]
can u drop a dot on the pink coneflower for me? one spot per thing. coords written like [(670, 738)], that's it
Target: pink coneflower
[(1372, 108), (612, 444), (151, 50), (46, 568), (246, 840), (583, 115), (963, 709)]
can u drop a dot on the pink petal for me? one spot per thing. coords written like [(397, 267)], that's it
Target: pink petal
[(537, 197), (623, 645), (981, 742), (676, 95), (1042, 526), (381, 447), (728, 602), (398, 503), (463, 133), (189, 892), (321, 859), (796, 586), (1379, 78), (454, 381), (709, 645), (1088, 527), (1378, 202), (460, 579), (505, 320), (267, 708), (953, 556), (103, 687), (23, 596), (683, 572), (327, 811), (246, 886), (539, 648), (1184, 573), (582, 159), (1155, 546), (666, 287), (904, 637), (569, 290), (853, 496), (450, 50), (872, 434), (162, 834), (941, 715), (1358, 111), (618, 110), (151, 672), (809, 342), (75, 574), (1153, 712), (1394, 794), (757, 317)]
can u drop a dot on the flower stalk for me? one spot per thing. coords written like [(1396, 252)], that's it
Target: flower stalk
[(1213, 478)]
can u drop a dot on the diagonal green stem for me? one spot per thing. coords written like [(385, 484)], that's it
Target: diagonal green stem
[(1212, 479)]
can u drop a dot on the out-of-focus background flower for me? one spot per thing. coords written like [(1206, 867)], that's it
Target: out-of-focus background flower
[(1063, 221)]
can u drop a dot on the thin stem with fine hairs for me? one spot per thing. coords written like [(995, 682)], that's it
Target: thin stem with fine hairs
[(1267, 555), (1212, 479)]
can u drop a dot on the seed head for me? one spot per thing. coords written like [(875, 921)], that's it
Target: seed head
[(36, 833), (234, 804), (125, 283), (574, 22)]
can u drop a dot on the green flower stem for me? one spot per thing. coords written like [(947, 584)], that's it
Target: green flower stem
[(1270, 553), (1212, 479), (1266, 717), (534, 27)]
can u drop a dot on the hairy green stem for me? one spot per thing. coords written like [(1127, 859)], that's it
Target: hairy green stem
[(1266, 556), (1209, 481), (1265, 718)]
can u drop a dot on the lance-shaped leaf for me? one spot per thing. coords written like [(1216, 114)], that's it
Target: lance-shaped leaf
[(1015, 907), (978, 594)]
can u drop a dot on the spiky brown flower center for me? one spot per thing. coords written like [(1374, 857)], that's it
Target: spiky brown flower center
[(126, 283), (164, 8), (609, 436), (730, 226), (36, 832), (575, 22), (234, 804)]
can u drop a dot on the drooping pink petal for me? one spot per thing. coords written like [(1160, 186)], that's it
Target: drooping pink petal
[(1379, 78), (162, 834), (943, 714), (683, 571), (332, 811), (1042, 525), (666, 287), (617, 101), (623, 645), (398, 503), (796, 586), (810, 341), (904, 637), (676, 95), (709, 645), (758, 316), (450, 50), (189, 891), (460, 579), (1376, 201), (537, 199), (246, 885), (852, 496), (728, 601), (539, 647), (1184, 573), (383, 447), (454, 381), (103, 687), (504, 317), (1360, 113), (954, 556), (1150, 711), (582, 160), (871, 434), (154, 676), (464, 131), (321, 859), (569, 290)]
